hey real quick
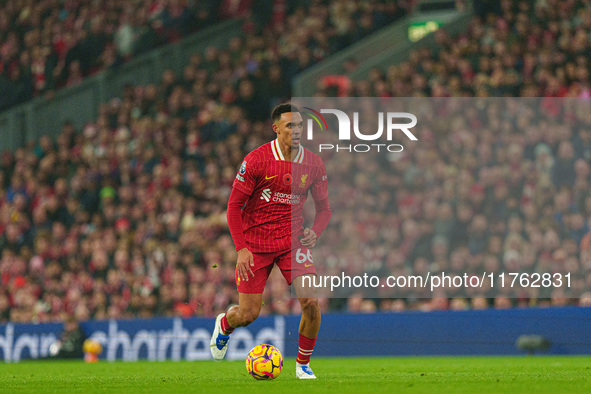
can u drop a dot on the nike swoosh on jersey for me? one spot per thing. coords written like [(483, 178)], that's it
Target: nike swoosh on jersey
[(270, 177), (308, 265)]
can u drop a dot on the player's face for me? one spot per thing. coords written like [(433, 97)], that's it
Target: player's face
[(289, 129)]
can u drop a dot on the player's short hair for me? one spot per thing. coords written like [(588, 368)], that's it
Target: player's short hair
[(282, 109)]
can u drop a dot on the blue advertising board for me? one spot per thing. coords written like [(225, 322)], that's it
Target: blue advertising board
[(488, 332)]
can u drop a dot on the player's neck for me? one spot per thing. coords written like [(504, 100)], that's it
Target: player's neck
[(287, 151)]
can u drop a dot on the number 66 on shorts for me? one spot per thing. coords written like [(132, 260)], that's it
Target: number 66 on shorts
[(292, 263), (304, 257)]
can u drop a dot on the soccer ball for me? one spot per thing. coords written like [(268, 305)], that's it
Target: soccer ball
[(264, 362), (92, 346)]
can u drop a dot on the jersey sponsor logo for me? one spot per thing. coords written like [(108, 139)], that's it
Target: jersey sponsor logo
[(240, 177), (303, 180), (270, 177), (285, 198), (287, 179), (282, 198), (242, 168), (266, 195)]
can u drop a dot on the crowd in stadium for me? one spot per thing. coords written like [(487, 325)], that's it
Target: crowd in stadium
[(523, 49), (49, 45), (126, 217)]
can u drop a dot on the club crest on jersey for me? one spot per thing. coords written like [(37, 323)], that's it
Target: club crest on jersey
[(242, 168), (287, 179), (304, 180)]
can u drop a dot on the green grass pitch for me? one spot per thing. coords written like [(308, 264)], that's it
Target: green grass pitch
[(340, 375)]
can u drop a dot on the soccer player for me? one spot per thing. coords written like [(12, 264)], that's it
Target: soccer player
[(265, 220)]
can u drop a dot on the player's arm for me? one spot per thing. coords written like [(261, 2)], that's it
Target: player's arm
[(234, 215), (321, 220), (322, 217), (241, 191), (319, 193)]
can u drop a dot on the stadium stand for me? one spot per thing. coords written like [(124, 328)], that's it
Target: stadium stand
[(513, 48), (47, 45), (126, 217)]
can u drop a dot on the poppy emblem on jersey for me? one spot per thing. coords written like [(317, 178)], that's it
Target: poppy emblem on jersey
[(243, 168), (303, 180), (287, 179)]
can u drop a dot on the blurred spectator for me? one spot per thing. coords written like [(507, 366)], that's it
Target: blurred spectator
[(69, 345)]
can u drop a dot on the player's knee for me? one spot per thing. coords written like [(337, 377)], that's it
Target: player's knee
[(310, 306)]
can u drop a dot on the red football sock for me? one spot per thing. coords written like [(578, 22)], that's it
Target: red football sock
[(306, 347), (227, 329)]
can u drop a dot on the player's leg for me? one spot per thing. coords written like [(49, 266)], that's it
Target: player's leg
[(309, 327), (298, 272), (247, 310), (249, 305)]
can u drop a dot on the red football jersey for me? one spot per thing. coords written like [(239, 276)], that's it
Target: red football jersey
[(278, 189)]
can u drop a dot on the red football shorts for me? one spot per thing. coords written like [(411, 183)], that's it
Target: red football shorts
[(292, 265)]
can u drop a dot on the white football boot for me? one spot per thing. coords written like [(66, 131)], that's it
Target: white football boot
[(304, 371), (219, 342)]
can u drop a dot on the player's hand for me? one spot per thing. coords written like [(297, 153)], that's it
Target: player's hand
[(309, 240), (244, 263)]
